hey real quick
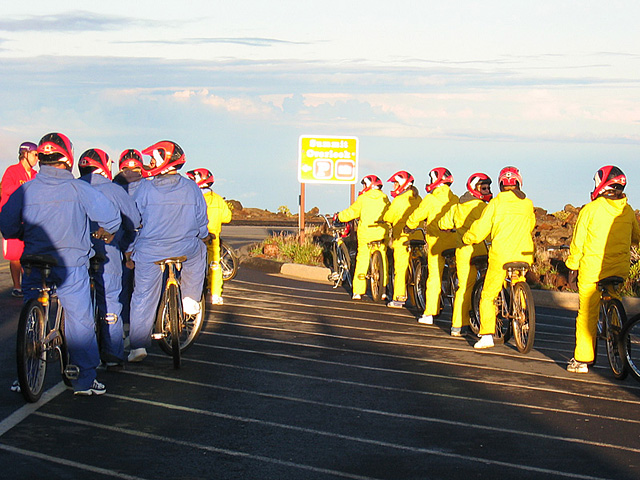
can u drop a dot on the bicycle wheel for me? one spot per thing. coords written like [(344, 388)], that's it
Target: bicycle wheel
[(228, 262), (31, 353), (420, 273), (191, 326), (474, 313), (168, 320), (615, 317), (344, 264), (524, 317), (335, 276), (503, 325), (630, 345), (376, 276)]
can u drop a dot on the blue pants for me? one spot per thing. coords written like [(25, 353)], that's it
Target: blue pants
[(74, 294), (147, 290), (108, 289)]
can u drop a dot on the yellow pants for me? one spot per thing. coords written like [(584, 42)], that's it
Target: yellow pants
[(587, 321), (401, 254), (435, 264), (466, 279), (493, 282), (214, 282), (362, 266)]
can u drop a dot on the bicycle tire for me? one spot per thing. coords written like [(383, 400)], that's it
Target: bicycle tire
[(524, 317), (376, 276), (31, 354), (335, 267), (191, 327), (63, 351), (474, 313), (630, 347), (615, 318), (344, 264), (228, 261), (174, 307), (419, 281), (502, 333)]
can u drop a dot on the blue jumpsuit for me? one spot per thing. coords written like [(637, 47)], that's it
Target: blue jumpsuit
[(109, 277), (52, 216), (174, 223)]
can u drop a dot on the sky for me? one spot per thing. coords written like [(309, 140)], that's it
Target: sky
[(552, 87)]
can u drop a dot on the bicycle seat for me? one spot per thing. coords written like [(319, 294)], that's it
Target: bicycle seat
[(610, 281), (516, 265), (480, 260), (449, 252), (417, 243), (169, 260), (38, 261)]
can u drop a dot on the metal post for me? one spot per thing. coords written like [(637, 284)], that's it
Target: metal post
[(301, 215)]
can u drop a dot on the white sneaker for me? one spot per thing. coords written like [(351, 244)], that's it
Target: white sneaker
[(137, 355), (383, 297), (96, 388), (426, 319), (577, 367), (190, 306), (395, 304), (356, 296), (486, 341), (216, 300)]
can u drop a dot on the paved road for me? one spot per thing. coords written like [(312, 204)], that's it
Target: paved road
[(291, 379)]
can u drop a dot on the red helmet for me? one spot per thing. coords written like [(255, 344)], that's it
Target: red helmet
[(202, 176), (438, 176), (55, 147), (405, 181), (97, 161), (474, 183), (369, 182), (608, 177), (510, 176), (168, 156)]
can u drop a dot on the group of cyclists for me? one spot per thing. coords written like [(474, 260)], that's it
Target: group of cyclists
[(147, 213), (501, 227)]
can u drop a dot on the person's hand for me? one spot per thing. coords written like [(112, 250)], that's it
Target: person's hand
[(130, 264), (102, 234), (572, 279)]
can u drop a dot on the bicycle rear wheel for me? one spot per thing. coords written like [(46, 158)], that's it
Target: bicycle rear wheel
[(503, 325), (630, 345), (31, 354), (474, 313), (228, 261), (420, 273), (615, 317), (344, 264), (168, 320), (524, 317), (376, 276)]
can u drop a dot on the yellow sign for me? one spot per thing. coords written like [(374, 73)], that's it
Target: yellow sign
[(328, 160)]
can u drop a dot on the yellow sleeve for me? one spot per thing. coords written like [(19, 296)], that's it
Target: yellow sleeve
[(352, 212), (576, 249), (226, 214), (481, 228), (419, 214), (448, 220)]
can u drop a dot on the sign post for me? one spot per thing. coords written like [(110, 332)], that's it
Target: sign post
[(324, 159)]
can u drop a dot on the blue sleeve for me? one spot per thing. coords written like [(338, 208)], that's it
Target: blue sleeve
[(98, 207), (11, 215), (201, 214)]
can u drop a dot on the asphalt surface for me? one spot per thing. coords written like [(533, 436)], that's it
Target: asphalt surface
[(291, 379)]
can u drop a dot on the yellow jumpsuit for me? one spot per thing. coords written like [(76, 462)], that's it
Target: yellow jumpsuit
[(397, 214), (218, 212), (600, 248), (431, 210), (509, 219), (370, 208), (460, 217)]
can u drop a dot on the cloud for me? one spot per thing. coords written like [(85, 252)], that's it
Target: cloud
[(248, 41), (77, 21)]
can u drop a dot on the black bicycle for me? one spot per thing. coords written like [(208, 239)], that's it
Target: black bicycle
[(629, 345), (611, 321), (228, 261), (41, 337), (418, 272), (339, 257), (449, 277), (175, 330)]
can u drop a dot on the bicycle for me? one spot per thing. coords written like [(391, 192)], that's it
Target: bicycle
[(418, 271), (481, 263), (340, 261), (449, 277), (611, 321), (515, 311), (175, 331), (41, 337)]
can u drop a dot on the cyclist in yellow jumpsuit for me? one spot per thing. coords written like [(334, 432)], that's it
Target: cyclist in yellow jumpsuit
[(218, 212), (604, 232), (405, 200), (460, 218), (431, 210), (509, 219), (370, 207)]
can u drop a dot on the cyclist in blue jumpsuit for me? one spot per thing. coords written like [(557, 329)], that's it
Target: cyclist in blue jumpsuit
[(174, 223), (95, 168), (51, 214)]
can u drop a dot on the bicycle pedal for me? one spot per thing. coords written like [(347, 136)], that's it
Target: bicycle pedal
[(72, 372), (157, 336)]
